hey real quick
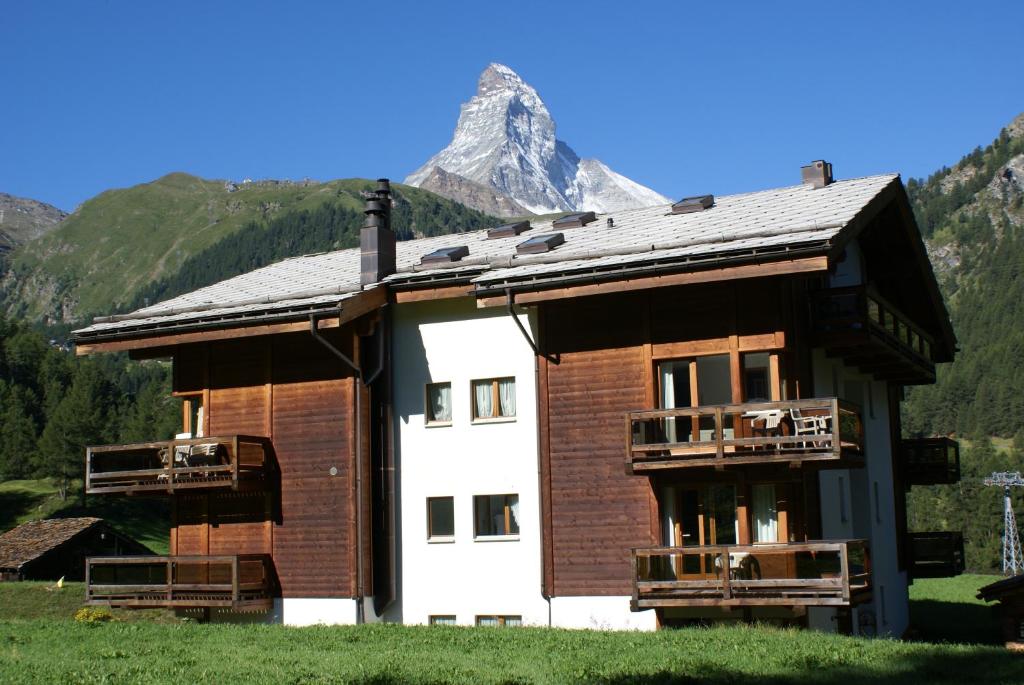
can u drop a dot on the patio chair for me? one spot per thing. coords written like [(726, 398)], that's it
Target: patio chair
[(804, 425)]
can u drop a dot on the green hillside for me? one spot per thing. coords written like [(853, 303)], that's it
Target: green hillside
[(972, 216), (102, 257)]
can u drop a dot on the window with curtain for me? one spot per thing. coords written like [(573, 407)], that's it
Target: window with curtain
[(765, 513), (439, 403), (496, 515), (440, 518), (442, 620), (499, 621), (494, 398)]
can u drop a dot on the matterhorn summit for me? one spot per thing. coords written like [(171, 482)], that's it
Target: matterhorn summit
[(504, 157)]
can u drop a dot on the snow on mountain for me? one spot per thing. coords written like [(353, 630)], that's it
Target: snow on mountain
[(505, 140)]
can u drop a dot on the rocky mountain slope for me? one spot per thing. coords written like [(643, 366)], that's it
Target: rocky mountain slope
[(972, 217), (115, 246), (471, 194), (505, 140), (22, 219)]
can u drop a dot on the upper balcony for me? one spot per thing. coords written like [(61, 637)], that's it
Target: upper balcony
[(826, 431), (824, 573), (930, 461), (239, 582), (232, 462), (866, 331), (937, 554)]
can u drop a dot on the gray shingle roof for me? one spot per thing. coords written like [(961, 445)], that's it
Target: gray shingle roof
[(792, 216)]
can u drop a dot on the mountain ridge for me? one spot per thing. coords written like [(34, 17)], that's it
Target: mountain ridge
[(505, 140)]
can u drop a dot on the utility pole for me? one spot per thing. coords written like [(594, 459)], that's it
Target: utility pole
[(1013, 560)]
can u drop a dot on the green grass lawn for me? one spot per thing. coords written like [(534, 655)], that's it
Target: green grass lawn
[(947, 609), (145, 520), (40, 642)]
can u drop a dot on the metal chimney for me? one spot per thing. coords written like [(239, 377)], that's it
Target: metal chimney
[(376, 239), (818, 173)]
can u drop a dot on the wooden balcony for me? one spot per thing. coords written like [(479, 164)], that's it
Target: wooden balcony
[(826, 431), (242, 582), (930, 461), (228, 463), (937, 554), (866, 331), (825, 573)]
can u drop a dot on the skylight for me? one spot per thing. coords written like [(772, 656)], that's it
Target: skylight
[(697, 203), (509, 230), (445, 255), (574, 220), (540, 243)]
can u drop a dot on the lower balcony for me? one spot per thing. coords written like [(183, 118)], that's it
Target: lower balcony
[(230, 462), (824, 573), (937, 554), (815, 430), (239, 582), (930, 461)]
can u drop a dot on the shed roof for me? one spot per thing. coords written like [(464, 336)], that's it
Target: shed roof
[(769, 221), (33, 539), (1003, 589)]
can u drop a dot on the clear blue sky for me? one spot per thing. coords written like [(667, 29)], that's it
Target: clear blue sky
[(684, 97)]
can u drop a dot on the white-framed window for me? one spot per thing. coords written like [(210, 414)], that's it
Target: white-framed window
[(499, 621), (442, 620), (494, 398), (440, 519), (496, 516), (437, 410)]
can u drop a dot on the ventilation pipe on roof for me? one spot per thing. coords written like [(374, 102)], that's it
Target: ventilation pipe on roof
[(818, 173), (376, 239)]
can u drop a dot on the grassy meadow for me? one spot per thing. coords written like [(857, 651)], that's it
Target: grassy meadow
[(41, 642)]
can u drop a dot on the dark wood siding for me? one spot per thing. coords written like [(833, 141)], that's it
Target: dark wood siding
[(597, 512), (606, 348), (291, 389)]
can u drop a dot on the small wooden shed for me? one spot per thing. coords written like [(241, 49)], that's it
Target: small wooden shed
[(1009, 592), (49, 549)]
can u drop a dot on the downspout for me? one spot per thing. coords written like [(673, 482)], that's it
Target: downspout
[(522, 329), (313, 320), (540, 456)]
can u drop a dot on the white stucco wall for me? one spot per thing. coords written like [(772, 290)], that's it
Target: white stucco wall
[(866, 515), (454, 341), (301, 611)]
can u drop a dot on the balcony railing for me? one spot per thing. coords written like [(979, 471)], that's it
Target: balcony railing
[(826, 573), (235, 582), (824, 429), (219, 462), (937, 554), (930, 461), (874, 334)]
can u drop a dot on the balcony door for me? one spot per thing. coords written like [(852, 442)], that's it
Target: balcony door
[(699, 516), (697, 382)]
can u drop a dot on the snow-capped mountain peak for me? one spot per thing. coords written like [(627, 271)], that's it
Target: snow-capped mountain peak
[(505, 140)]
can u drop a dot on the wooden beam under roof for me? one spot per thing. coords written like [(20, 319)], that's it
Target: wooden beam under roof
[(157, 344), (774, 268)]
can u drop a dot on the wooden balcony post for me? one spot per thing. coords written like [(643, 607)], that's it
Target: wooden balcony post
[(88, 579), (726, 573), (844, 564), (719, 435), (636, 579), (837, 439), (170, 579), (235, 457), (234, 578)]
